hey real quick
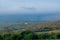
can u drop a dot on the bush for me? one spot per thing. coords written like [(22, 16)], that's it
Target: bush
[(29, 35), (1, 38), (58, 35), (6, 36), (48, 36), (53, 36), (43, 36)]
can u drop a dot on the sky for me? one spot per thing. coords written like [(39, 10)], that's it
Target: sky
[(29, 6)]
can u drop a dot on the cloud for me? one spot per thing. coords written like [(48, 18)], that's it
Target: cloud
[(29, 8)]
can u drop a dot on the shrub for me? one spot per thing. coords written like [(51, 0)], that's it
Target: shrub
[(43, 36), (53, 35), (6, 36), (1, 38), (58, 35), (28, 35)]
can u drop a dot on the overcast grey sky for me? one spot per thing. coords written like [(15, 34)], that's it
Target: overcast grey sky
[(29, 6)]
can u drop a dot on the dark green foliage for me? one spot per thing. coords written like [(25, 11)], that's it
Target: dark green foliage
[(6, 36), (13, 37), (29, 35), (24, 33), (43, 36), (58, 35), (53, 35), (1, 38)]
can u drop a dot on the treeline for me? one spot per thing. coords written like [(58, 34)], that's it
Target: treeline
[(29, 35)]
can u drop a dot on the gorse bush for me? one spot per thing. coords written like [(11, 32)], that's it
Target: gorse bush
[(29, 35)]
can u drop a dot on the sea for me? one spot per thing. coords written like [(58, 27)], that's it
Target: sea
[(7, 19)]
